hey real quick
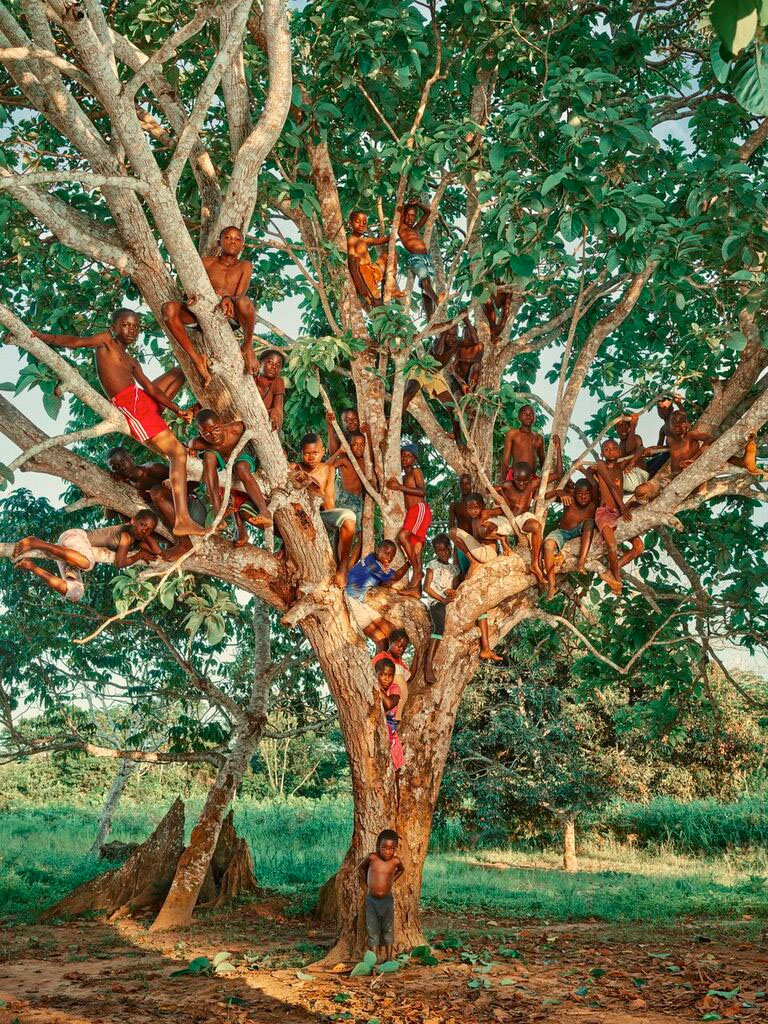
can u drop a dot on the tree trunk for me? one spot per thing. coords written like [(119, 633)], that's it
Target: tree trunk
[(125, 770), (193, 866), (570, 863)]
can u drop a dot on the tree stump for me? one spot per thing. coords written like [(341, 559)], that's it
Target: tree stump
[(142, 882)]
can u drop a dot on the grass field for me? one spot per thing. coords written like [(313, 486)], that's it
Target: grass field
[(298, 844)]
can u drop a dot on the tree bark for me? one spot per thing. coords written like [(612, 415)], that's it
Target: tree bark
[(125, 770), (570, 863)]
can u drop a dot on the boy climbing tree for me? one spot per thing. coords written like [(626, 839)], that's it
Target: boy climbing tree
[(419, 261), (140, 401), (418, 515)]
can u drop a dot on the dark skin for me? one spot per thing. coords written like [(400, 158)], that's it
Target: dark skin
[(519, 493), (578, 508), (379, 872), (413, 490), (664, 407), (457, 511), (230, 277), (358, 255), (322, 475), (443, 553), (137, 534), (118, 370), (468, 359), (216, 436), (443, 351), (479, 516), (408, 232), (629, 440), (350, 478), (350, 423), (269, 370), (685, 445), (608, 475), (523, 444)]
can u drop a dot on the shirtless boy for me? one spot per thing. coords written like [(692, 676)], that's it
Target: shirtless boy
[(379, 872), (608, 475), (432, 382), (323, 477), (577, 521), (74, 552), (350, 422), (419, 260), (367, 274), (523, 444), (418, 515), (140, 400), (467, 360), (519, 493), (685, 446), (272, 386), (630, 443), (351, 493), (230, 277), (215, 444), (458, 516), (479, 548)]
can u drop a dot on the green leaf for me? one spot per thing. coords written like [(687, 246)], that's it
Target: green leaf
[(712, 1016), (370, 958), (679, 300), (721, 65), (552, 181), (522, 264), (736, 341), (507, 981), (51, 404), (225, 967), (749, 80), (723, 994), (6, 473), (388, 967), (496, 156), (361, 970), (735, 21), (583, 991), (221, 957), (762, 11), (7, 387)]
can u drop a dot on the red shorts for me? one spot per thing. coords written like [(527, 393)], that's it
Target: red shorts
[(237, 498), (417, 520), (141, 411), (606, 516)]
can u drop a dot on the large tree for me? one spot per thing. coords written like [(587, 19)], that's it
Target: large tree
[(542, 139)]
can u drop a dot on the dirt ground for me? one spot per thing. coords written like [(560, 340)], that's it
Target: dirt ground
[(90, 972)]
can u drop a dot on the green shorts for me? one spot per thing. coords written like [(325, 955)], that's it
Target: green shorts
[(242, 457), (354, 502)]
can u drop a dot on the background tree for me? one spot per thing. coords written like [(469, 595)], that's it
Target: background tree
[(541, 139)]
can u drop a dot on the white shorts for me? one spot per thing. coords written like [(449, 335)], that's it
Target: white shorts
[(75, 540), (633, 478), (361, 613), (479, 551)]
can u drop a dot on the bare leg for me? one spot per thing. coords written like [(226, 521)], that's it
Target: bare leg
[(550, 550), (748, 460), (634, 552), (533, 529), (613, 579), (346, 536), (245, 314), (486, 651), (61, 554), (412, 389), (163, 502), (242, 532), (429, 296), (169, 445), (412, 552), (587, 533), (242, 471), (379, 631), (171, 382), (54, 581), (429, 672), (176, 316)]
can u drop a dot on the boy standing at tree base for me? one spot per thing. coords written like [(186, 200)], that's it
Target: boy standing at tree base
[(379, 871)]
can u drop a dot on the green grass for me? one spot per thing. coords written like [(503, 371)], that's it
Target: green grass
[(297, 844)]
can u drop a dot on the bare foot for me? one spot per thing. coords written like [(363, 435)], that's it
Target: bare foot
[(552, 590), (340, 578), (581, 566), (23, 563), (188, 528), (172, 553), (489, 655), (534, 570), (205, 373), (412, 591), (262, 522), (505, 547), (612, 582), (441, 298), (240, 542), (21, 547)]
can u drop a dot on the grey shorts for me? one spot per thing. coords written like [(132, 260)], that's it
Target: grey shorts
[(380, 920), (354, 502), (561, 537)]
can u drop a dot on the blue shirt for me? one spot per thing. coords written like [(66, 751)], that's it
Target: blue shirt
[(368, 573)]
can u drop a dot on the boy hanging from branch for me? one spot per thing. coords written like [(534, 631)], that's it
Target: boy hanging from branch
[(140, 400), (418, 515), (367, 274), (419, 260), (215, 444), (74, 552), (230, 276)]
